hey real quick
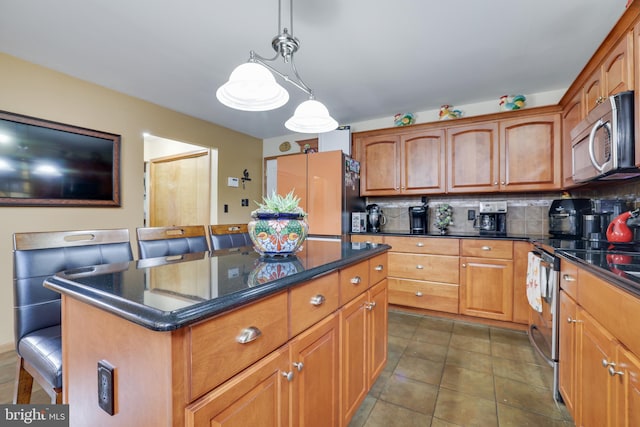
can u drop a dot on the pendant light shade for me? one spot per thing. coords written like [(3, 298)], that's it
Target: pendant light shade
[(311, 117), (252, 87)]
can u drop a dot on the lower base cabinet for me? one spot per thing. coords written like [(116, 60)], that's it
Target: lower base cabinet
[(363, 324), (486, 288)]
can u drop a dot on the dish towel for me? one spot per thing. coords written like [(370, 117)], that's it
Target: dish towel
[(533, 282)]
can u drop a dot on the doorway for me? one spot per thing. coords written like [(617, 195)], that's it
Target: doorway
[(180, 183)]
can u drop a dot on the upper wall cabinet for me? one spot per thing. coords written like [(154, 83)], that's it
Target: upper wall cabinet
[(571, 116), (473, 156), (411, 163), (614, 75)]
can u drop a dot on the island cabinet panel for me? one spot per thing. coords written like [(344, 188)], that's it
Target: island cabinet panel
[(473, 158), (259, 396), (378, 267), (530, 151), (312, 301), (353, 281), (218, 343)]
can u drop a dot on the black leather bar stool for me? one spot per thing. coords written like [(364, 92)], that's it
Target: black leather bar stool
[(37, 256), (225, 236), (175, 240)]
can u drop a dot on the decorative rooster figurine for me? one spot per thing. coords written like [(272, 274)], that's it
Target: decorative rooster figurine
[(446, 112), (512, 103)]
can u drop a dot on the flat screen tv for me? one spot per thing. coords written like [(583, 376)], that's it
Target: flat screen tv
[(44, 163)]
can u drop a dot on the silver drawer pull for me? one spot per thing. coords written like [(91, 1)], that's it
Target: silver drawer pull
[(379, 267), (568, 278), (356, 280), (486, 248), (419, 267), (419, 244), (369, 305), (418, 294), (613, 372), (317, 300), (248, 334)]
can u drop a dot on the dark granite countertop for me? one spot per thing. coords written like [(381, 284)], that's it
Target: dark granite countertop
[(169, 293), (455, 235)]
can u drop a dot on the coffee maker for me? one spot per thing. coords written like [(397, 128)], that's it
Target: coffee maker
[(376, 218), (419, 218), (492, 218)]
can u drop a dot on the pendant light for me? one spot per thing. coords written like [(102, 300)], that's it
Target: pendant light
[(252, 87)]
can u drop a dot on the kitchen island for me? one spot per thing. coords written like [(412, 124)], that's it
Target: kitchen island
[(225, 337)]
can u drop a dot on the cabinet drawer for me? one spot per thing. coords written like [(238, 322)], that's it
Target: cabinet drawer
[(378, 268), (502, 249), (312, 301), (216, 353), (434, 268), (424, 245), (427, 295), (353, 281), (569, 278), (366, 238)]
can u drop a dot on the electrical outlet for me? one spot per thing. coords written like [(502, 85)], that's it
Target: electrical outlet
[(226, 208), (471, 214), (245, 202), (106, 387)]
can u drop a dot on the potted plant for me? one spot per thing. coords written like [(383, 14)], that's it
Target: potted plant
[(444, 217), (278, 226)]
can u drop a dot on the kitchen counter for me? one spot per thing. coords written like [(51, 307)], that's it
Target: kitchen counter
[(168, 293), (456, 235)]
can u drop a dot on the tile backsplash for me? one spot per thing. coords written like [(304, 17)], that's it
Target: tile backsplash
[(526, 213)]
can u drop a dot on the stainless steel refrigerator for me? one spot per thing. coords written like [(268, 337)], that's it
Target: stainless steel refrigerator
[(328, 184)]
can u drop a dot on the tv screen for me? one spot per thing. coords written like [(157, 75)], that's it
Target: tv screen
[(48, 163)]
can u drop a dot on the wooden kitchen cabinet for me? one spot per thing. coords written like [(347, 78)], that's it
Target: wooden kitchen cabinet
[(486, 283), (521, 307), (473, 158), (627, 397), (530, 153), (412, 163), (568, 339), (363, 324), (636, 85), (572, 114)]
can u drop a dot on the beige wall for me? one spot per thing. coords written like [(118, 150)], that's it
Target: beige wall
[(35, 91)]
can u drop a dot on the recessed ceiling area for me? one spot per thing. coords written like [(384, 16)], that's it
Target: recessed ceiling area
[(364, 59)]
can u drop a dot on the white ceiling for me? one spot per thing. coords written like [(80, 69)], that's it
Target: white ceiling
[(365, 59)]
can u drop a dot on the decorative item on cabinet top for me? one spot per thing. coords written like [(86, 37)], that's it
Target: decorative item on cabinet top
[(514, 102), (404, 119), (448, 112)]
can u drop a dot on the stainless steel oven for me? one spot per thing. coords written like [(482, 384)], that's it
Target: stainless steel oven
[(544, 325)]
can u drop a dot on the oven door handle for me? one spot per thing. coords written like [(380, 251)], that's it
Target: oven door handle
[(535, 345)]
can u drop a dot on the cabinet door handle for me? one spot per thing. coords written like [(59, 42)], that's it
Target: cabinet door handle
[(370, 305), (486, 248), (298, 366), (607, 364), (419, 244), (379, 267), (568, 278), (418, 294), (249, 334), (495, 182), (502, 183), (356, 280), (419, 267), (317, 300), (464, 265), (288, 375), (570, 320), (613, 372)]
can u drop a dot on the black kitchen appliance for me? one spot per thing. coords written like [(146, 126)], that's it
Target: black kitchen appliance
[(419, 218), (566, 217), (594, 225), (492, 218)]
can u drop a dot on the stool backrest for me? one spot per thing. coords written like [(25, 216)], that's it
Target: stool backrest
[(39, 255), (224, 236), (175, 240)]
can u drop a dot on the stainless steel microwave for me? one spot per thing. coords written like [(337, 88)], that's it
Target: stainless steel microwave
[(603, 144)]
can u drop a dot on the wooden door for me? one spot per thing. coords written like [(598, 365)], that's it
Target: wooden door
[(617, 69), (353, 359), (316, 387), (571, 115), (627, 397), (259, 396), (592, 91), (520, 262), (423, 163), (595, 353), (180, 189), (325, 181), (530, 153), (379, 165), (472, 158), (567, 351), (292, 176), (377, 329), (486, 288)]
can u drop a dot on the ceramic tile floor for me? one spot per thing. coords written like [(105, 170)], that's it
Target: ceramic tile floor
[(440, 373), (444, 373)]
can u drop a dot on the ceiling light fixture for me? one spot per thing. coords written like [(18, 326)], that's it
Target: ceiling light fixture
[(251, 87)]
